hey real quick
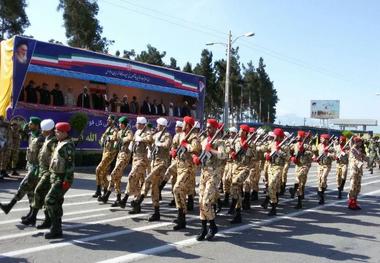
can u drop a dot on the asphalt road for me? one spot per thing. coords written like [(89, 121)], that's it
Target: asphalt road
[(98, 233)]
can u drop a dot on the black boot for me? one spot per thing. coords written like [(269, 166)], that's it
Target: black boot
[(293, 191), (231, 211), (156, 215), (47, 222), (31, 219), (203, 234), (221, 188), (117, 201), (136, 206), (190, 203), (28, 214), (14, 172), (4, 173), (6, 208), (181, 220), (299, 203), (105, 197), (237, 217), (255, 196), (123, 201), (265, 203), (247, 201), (100, 198), (273, 211), (172, 203), (161, 187), (282, 191), (321, 198), (97, 192), (226, 201), (220, 206), (55, 230), (213, 229)]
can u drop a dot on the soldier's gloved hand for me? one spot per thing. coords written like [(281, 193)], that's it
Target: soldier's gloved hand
[(208, 147), (294, 160), (173, 153), (66, 185), (267, 156), (315, 159), (196, 160), (233, 155), (138, 138), (184, 143), (158, 144), (343, 153)]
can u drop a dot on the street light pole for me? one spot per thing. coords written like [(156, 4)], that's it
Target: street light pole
[(227, 87)]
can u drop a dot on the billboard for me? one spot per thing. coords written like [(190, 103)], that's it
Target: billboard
[(324, 109)]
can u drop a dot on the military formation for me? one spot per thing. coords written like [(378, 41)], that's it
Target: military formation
[(230, 163)]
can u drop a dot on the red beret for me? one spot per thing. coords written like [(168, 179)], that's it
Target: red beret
[(189, 120), (325, 136), (252, 129), (301, 134), (342, 138), (63, 126), (278, 132), (213, 123), (244, 127)]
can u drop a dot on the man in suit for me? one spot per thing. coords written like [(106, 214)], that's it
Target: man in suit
[(84, 99), (134, 106), (146, 107)]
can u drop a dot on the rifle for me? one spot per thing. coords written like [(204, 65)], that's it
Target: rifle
[(281, 144), (347, 143), (205, 155), (134, 144), (249, 139), (155, 150), (181, 150), (299, 153), (323, 153)]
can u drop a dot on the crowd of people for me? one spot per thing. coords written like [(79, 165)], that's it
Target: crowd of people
[(97, 100), (229, 161)]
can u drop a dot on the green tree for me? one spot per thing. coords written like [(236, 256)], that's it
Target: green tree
[(82, 28), (214, 95), (151, 56), (173, 64), (13, 19), (188, 68), (250, 90)]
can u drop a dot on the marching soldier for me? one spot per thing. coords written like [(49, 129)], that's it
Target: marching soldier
[(277, 158), (241, 154), (28, 184), (212, 155), (139, 148), (5, 148), (43, 186), (356, 159), (373, 151), (284, 174), (171, 171), (14, 146), (62, 176), (342, 151), (227, 175), (124, 138), (189, 144), (107, 141), (325, 157), (160, 162), (302, 158)]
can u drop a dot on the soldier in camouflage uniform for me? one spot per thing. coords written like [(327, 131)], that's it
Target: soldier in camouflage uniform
[(209, 181), (284, 174), (373, 153), (277, 158), (171, 171), (357, 157), (5, 147), (189, 145), (342, 152), (141, 140), (327, 155), (28, 184), (107, 141), (302, 157), (43, 186), (14, 146), (61, 178), (227, 174), (241, 154), (124, 138), (160, 162)]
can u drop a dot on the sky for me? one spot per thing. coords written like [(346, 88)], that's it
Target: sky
[(316, 49)]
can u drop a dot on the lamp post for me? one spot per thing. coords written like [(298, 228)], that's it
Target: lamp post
[(228, 66)]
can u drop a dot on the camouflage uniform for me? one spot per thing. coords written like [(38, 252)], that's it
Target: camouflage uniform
[(227, 174), (5, 151), (107, 140), (356, 159), (62, 172), (373, 151), (15, 147), (284, 174), (341, 168)]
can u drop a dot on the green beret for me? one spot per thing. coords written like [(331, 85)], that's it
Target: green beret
[(123, 120), (35, 120), (112, 117)]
